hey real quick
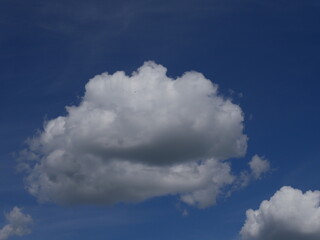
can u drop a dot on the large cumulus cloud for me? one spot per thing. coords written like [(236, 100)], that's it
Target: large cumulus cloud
[(136, 137), (289, 214)]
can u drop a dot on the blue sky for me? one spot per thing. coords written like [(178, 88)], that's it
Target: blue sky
[(264, 55)]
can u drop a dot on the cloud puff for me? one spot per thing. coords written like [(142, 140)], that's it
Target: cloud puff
[(289, 214), (19, 224), (258, 166), (136, 137)]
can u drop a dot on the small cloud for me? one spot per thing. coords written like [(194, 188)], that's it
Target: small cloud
[(19, 224), (259, 165), (289, 214)]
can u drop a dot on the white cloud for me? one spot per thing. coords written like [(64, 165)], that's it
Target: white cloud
[(136, 137), (258, 166), (19, 224), (289, 214)]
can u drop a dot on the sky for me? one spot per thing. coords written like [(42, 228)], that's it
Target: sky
[(159, 120)]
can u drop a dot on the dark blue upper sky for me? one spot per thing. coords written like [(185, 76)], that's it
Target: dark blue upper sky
[(269, 51)]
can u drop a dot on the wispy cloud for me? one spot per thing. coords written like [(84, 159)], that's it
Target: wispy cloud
[(258, 167), (19, 224)]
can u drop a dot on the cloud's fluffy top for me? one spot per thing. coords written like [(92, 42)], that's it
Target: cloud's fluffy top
[(258, 166), (139, 136), (149, 118), (18, 224), (289, 214)]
